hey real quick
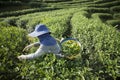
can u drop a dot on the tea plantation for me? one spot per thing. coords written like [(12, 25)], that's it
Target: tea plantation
[(95, 23)]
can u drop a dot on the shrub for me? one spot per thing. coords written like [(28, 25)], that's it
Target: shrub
[(26, 11), (12, 41), (22, 23), (116, 16), (115, 23), (98, 53), (37, 4), (99, 58), (55, 1), (109, 4), (8, 4), (19, 12), (97, 10), (102, 1), (11, 21), (115, 9), (105, 16)]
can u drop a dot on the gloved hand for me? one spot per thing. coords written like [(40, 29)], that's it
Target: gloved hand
[(22, 57)]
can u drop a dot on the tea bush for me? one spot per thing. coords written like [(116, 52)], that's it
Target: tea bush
[(115, 9), (57, 21), (97, 40), (10, 3), (98, 10), (114, 23), (109, 4), (12, 41), (99, 58), (37, 4), (102, 1), (26, 11), (116, 16), (22, 23), (104, 16), (11, 21)]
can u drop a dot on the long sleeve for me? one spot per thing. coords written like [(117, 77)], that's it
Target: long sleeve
[(38, 53)]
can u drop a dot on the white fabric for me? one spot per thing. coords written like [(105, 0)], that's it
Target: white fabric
[(35, 34), (45, 49)]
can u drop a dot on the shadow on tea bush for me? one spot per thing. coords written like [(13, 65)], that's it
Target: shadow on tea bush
[(109, 4), (102, 1), (11, 21), (97, 10), (105, 16), (9, 3), (37, 4), (116, 16), (22, 23), (115, 23), (115, 9), (12, 41)]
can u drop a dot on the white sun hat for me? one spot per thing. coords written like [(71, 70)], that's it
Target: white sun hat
[(39, 30)]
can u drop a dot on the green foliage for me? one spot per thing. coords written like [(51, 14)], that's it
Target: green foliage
[(99, 59), (26, 11), (37, 4), (115, 9), (11, 21), (103, 1), (12, 41), (71, 48), (9, 3), (54, 20), (115, 23), (108, 3), (104, 16), (97, 10), (22, 23), (116, 16), (97, 40), (54, 1)]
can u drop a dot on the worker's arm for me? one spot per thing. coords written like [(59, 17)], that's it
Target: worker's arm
[(36, 44), (38, 53)]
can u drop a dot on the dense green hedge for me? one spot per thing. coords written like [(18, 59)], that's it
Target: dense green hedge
[(10, 3), (115, 9), (55, 1), (114, 23), (37, 4), (97, 10), (109, 4), (98, 60), (104, 16), (116, 16), (12, 41), (101, 44), (102, 1), (26, 11), (10, 21)]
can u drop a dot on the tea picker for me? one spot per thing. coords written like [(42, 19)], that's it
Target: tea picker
[(47, 44)]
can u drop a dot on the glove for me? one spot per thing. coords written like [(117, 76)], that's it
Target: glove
[(22, 57)]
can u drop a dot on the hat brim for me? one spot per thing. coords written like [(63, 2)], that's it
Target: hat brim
[(35, 34)]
